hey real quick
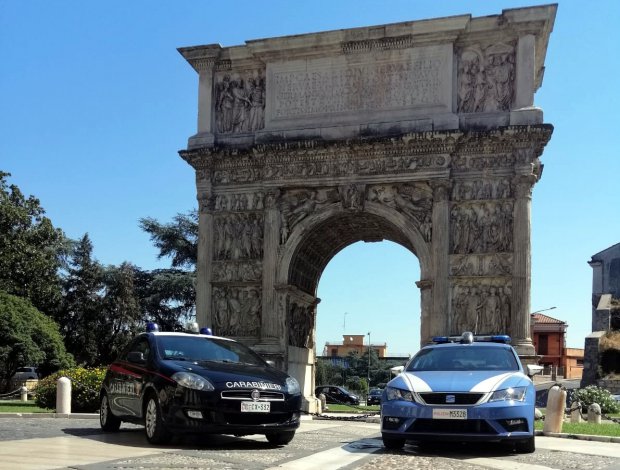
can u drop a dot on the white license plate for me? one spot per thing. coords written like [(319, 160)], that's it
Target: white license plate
[(255, 407), (441, 413)]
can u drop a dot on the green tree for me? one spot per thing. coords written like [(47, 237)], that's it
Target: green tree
[(167, 296), (28, 337), (82, 306), (120, 317), (177, 240), (31, 249)]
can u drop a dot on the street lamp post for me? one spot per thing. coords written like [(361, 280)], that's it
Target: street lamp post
[(369, 360)]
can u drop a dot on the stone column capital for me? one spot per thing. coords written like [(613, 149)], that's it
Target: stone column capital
[(523, 185), (441, 189)]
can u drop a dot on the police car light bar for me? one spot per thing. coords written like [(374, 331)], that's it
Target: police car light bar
[(152, 326), (468, 338)]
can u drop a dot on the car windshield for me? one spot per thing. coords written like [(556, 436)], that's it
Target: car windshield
[(376, 391), (466, 357), (201, 349)]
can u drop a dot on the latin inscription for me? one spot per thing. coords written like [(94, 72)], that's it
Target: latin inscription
[(394, 85)]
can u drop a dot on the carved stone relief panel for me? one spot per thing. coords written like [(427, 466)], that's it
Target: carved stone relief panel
[(481, 228), (297, 204), (413, 199), (301, 325), (236, 271), (482, 189), (239, 202), (497, 264), (486, 78), (237, 311), (483, 308), (239, 102), (238, 236)]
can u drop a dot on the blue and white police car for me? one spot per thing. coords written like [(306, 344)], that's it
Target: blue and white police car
[(463, 388), (198, 383)]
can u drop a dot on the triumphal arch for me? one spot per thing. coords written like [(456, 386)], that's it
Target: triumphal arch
[(424, 133)]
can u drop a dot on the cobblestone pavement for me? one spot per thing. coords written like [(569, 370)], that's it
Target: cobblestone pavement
[(318, 444)]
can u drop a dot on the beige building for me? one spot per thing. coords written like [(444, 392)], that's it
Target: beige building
[(353, 343)]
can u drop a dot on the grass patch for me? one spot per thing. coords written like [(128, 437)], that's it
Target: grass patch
[(18, 406), (590, 429), (352, 409)]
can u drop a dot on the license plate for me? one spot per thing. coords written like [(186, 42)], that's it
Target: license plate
[(255, 407), (441, 413)]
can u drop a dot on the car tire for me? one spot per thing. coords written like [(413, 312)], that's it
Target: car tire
[(280, 438), (393, 443), (154, 427), (107, 420), (526, 446)]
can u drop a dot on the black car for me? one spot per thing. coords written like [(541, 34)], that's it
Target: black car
[(374, 396), (197, 383), (334, 394)]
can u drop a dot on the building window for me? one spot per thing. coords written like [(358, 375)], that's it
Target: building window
[(334, 351), (543, 344)]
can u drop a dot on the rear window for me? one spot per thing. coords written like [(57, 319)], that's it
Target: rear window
[(464, 357)]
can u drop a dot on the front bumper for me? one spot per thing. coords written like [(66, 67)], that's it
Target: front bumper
[(498, 421), (191, 411)]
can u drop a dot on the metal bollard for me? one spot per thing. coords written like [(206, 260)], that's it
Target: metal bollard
[(23, 393), (556, 404), (594, 413), (63, 396)]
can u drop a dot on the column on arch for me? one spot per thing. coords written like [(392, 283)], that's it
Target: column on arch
[(271, 328), (440, 253), (521, 281), (204, 255)]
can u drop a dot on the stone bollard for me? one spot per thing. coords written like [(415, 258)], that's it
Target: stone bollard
[(556, 404), (23, 391), (323, 401), (63, 396), (594, 413), (575, 412)]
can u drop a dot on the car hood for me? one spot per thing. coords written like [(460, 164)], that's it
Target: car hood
[(459, 381), (237, 376)]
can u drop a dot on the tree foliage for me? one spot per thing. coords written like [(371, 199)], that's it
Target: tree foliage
[(28, 337), (177, 240), (31, 249)]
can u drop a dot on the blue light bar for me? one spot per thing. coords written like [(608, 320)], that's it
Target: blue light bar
[(206, 331), (501, 339), (441, 339), (152, 326)]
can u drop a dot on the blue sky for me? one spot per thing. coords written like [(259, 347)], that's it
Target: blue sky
[(95, 102)]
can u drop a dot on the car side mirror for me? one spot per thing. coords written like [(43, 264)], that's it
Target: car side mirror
[(136, 357), (398, 369), (533, 369)]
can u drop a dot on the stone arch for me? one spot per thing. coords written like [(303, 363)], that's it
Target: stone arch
[(427, 136)]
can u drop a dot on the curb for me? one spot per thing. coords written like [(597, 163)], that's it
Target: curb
[(51, 415), (580, 437)]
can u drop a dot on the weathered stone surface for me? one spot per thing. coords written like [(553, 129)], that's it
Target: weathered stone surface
[(424, 133)]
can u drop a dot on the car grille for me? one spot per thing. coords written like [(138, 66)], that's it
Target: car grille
[(451, 426), (247, 395), (459, 398)]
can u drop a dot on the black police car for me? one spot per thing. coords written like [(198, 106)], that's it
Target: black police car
[(198, 383)]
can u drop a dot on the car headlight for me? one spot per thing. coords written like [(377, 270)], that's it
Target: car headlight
[(392, 393), (292, 386), (193, 381), (516, 394)]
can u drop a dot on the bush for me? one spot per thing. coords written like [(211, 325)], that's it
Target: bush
[(85, 386), (593, 394)]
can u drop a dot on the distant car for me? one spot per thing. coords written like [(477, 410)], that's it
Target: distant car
[(198, 383), (374, 396), (463, 388), (335, 395), (27, 373)]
